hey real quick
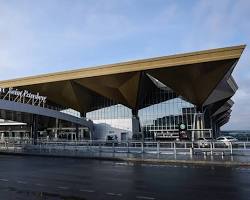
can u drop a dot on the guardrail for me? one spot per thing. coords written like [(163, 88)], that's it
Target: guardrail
[(26, 145)]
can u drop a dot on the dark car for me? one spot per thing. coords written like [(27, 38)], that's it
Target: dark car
[(111, 139)]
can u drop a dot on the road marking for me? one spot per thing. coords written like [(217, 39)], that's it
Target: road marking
[(5, 180), (113, 194), (63, 188), (22, 182), (144, 197), (90, 191)]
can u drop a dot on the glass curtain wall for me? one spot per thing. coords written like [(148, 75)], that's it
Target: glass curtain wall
[(165, 117), (162, 112), (111, 111), (112, 121)]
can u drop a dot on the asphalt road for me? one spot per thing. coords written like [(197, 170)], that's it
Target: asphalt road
[(64, 178)]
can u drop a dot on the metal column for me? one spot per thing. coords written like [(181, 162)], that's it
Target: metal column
[(34, 129)]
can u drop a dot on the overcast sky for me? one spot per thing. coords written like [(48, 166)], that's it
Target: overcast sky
[(49, 35)]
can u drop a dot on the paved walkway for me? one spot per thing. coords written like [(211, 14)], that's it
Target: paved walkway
[(142, 158)]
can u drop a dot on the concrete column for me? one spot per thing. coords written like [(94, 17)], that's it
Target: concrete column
[(90, 135), (197, 126), (202, 124), (56, 129), (2, 136), (199, 121), (136, 123)]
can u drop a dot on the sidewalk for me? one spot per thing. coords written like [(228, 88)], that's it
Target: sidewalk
[(145, 158)]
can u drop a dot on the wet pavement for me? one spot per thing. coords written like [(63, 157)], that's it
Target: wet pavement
[(182, 156), (30, 177)]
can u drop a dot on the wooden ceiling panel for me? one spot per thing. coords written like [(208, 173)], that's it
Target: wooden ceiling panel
[(192, 75), (194, 82)]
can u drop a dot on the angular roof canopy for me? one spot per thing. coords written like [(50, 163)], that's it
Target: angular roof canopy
[(202, 77)]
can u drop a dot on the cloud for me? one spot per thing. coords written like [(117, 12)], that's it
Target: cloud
[(43, 37), (46, 36)]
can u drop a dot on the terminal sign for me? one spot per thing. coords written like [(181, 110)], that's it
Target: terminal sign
[(23, 94)]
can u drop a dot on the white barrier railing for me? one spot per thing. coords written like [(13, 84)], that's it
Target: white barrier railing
[(171, 147)]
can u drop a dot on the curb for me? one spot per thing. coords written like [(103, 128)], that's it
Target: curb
[(139, 160)]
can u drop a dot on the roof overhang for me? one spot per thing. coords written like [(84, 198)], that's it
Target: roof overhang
[(193, 76)]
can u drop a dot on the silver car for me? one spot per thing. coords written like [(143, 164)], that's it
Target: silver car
[(226, 140)]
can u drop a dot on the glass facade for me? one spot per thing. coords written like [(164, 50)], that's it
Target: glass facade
[(113, 120), (163, 119), (161, 113), (110, 111)]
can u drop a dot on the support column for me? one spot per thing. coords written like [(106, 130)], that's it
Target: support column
[(2, 136), (198, 126), (198, 122), (136, 128), (77, 131), (57, 127), (90, 134), (136, 123), (34, 129)]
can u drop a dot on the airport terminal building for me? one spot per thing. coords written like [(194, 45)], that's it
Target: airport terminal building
[(184, 96)]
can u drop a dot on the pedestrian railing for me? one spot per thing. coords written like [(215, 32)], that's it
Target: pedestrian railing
[(171, 147)]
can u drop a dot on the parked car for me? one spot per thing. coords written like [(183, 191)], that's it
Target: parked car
[(226, 140), (111, 139), (204, 142)]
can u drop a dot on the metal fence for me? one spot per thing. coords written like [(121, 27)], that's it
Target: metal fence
[(172, 147)]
